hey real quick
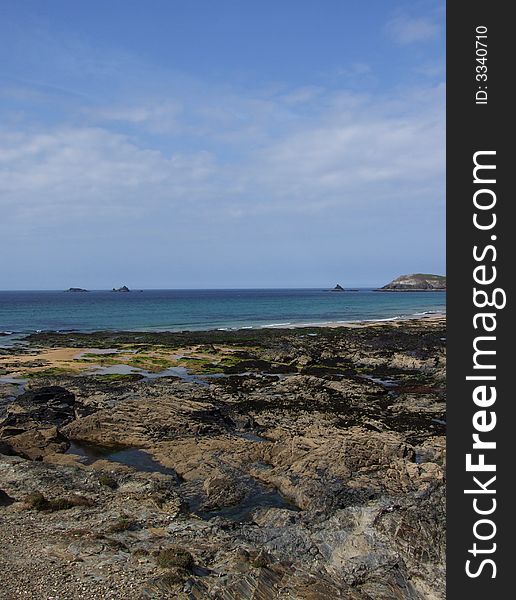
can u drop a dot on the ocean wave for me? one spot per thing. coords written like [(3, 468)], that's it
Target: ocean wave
[(372, 320)]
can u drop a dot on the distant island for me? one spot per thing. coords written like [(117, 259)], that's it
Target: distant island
[(416, 282), (124, 288), (339, 288), (74, 289)]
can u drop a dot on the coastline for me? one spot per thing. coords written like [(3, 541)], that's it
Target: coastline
[(239, 447), (16, 336), (55, 353), (431, 317), (24, 313)]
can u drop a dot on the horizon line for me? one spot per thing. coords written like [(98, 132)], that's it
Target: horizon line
[(187, 289)]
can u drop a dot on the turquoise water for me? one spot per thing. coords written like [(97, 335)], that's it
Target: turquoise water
[(176, 310)]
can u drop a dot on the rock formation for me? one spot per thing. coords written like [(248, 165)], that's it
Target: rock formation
[(416, 282), (298, 466), (31, 427)]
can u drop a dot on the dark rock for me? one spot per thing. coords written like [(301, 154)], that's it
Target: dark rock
[(249, 365), (5, 499), (6, 449), (31, 426), (338, 288), (53, 405)]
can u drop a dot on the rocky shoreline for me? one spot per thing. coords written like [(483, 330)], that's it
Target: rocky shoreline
[(305, 464)]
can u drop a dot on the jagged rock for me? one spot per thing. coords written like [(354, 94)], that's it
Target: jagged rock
[(31, 425), (53, 405)]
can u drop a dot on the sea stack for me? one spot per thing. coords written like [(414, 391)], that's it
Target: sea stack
[(124, 288), (416, 282), (338, 288)]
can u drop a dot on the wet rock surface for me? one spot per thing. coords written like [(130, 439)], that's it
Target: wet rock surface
[(31, 424), (309, 466)]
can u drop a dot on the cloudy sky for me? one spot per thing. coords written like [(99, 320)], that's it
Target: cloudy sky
[(228, 143)]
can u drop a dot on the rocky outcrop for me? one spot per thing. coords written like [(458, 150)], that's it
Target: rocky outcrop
[(52, 405), (338, 288), (323, 482), (415, 283), (75, 289), (124, 288), (31, 427)]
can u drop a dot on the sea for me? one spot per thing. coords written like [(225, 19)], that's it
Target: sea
[(23, 312)]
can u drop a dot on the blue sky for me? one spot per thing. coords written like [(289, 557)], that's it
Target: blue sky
[(193, 143)]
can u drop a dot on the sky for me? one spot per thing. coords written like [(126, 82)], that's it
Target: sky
[(227, 144)]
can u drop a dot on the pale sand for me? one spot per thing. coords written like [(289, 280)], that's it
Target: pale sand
[(57, 357), (71, 359), (398, 322)]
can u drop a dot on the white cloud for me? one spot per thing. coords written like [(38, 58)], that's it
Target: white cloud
[(84, 173), (301, 151), (409, 30), (160, 116), (357, 155)]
